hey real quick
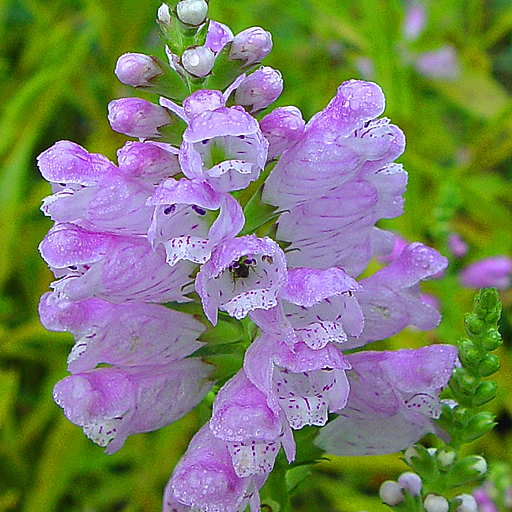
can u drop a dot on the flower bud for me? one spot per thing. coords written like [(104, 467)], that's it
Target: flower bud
[(282, 128), (411, 482), (492, 340), (422, 460), (202, 101), (147, 161), (439, 64), (192, 12), (489, 272), (467, 470), (198, 61), (479, 425), (457, 246), (136, 117), (466, 503), (391, 493), (251, 46), (259, 89), (414, 21), (485, 392), (435, 503), (474, 325), (137, 69), (446, 457), (164, 15), (488, 302), (218, 36), (489, 365), (467, 382), (469, 353)]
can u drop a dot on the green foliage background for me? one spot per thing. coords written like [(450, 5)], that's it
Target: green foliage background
[(56, 78)]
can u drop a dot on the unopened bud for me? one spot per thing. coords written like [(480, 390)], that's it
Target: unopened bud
[(198, 61), (409, 454), (446, 457), (434, 503), (492, 340), (479, 425), (489, 365), (465, 503), (457, 246), (411, 482), (465, 380), (467, 470), (202, 101), (251, 46), (422, 460), (164, 15), (147, 161), (260, 89), (485, 392), (282, 128), (468, 352), (474, 325), (136, 117), (192, 12), (137, 69), (391, 493)]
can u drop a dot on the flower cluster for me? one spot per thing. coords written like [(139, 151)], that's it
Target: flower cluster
[(167, 219)]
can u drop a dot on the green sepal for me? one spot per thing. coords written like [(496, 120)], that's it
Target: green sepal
[(466, 470), (478, 426), (492, 339), (173, 132), (485, 392), (489, 365), (488, 305), (469, 354), (169, 84), (225, 70), (422, 462), (475, 326), (466, 382)]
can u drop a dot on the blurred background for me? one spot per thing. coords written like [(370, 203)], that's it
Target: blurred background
[(446, 70)]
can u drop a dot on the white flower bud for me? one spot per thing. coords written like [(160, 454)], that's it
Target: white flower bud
[(391, 493), (409, 454), (432, 451), (411, 482), (192, 12), (446, 458), (480, 465), (164, 15), (198, 60), (137, 69), (466, 503), (435, 503)]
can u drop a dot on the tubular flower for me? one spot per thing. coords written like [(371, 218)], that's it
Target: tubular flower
[(181, 219)]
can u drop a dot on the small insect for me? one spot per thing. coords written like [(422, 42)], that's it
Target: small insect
[(241, 268)]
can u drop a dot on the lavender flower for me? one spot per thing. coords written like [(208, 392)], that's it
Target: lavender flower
[(137, 69), (260, 89), (205, 479), (148, 161), (394, 394), (137, 118), (113, 403), (242, 275), (128, 239), (225, 147), (487, 272)]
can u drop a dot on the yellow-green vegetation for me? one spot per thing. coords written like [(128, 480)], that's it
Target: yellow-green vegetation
[(56, 79)]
